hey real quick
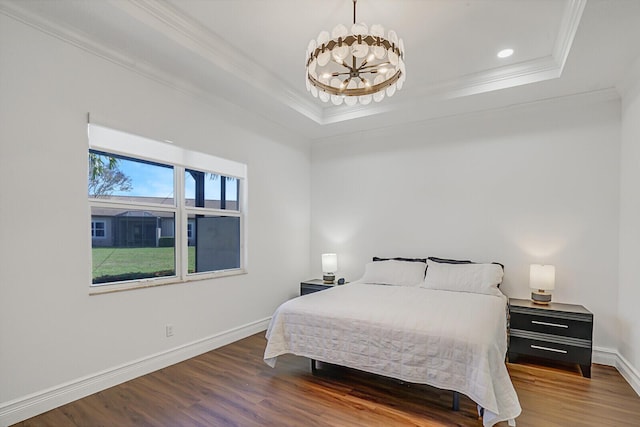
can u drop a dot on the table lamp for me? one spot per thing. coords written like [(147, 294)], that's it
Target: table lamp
[(329, 268), (542, 278)]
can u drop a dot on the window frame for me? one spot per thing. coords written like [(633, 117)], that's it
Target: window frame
[(94, 229), (125, 144)]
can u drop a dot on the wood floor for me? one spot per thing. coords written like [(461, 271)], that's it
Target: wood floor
[(232, 386)]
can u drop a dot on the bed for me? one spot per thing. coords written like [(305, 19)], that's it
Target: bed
[(446, 329)]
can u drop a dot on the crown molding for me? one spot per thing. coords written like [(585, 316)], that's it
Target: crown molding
[(567, 33), (536, 70), (91, 46), (500, 78), (172, 25), (88, 44), (565, 101), (188, 33)]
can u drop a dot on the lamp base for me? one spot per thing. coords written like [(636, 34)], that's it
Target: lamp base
[(540, 297), (328, 279)]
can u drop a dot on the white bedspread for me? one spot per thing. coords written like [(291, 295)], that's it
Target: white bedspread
[(450, 340)]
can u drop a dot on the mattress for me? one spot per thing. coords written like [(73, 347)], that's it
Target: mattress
[(451, 340)]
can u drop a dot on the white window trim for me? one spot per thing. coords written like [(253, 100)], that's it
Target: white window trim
[(122, 143)]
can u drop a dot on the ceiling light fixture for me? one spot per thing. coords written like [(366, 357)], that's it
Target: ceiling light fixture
[(354, 66), (505, 53)]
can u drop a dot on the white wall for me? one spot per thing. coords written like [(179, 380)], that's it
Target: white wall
[(51, 331), (524, 185), (629, 293), (530, 184)]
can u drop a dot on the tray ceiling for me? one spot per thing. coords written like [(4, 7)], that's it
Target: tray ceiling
[(252, 52)]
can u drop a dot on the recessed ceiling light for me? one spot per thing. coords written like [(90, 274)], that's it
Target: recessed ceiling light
[(505, 53)]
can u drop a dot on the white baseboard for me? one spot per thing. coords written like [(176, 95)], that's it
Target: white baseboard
[(604, 356), (28, 406), (629, 373), (611, 357)]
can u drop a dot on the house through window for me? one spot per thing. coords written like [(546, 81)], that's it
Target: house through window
[(154, 219), (216, 241)]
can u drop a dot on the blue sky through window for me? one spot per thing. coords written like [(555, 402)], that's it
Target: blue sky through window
[(147, 179), (155, 180)]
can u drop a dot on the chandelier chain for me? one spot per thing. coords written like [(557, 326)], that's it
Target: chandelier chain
[(354, 10)]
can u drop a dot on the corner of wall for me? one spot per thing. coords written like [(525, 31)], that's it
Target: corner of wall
[(629, 86), (629, 231)]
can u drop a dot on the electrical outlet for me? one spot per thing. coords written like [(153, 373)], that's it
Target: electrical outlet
[(169, 330)]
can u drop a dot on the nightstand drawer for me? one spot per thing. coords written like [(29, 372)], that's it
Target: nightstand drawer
[(568, 326), (550, 350), (309, 289), (313, 285)]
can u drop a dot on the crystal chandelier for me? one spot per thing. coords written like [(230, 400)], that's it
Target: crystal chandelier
[(354, 66)]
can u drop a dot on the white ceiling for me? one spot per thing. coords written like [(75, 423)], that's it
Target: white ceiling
[(252, 52)]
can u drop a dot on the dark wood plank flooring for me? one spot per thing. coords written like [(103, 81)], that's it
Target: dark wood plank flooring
[(232, 386)]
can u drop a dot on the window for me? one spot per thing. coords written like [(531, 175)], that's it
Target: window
[(157, 218), (216, 242), (98, 229)]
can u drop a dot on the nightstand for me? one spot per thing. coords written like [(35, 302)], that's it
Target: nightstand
[(314, 285), (556, 331)]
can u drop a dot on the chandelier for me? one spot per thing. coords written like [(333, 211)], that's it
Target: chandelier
[(354, 66)]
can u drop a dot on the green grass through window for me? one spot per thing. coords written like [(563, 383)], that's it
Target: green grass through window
[(118, 264)]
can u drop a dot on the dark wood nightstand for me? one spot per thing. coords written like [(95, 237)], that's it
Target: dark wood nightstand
[(556, 331), (314, 285)]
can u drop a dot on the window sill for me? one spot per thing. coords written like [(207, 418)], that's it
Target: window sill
[(153, 283)]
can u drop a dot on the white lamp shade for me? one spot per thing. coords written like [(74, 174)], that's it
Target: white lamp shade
[(329, 263), (542, 277)]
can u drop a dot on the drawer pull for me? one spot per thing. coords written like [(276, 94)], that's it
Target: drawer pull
[(548, 349), (557, 325)]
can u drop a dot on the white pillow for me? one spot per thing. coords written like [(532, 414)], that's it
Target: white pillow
[(392, 272), (476, 278)]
